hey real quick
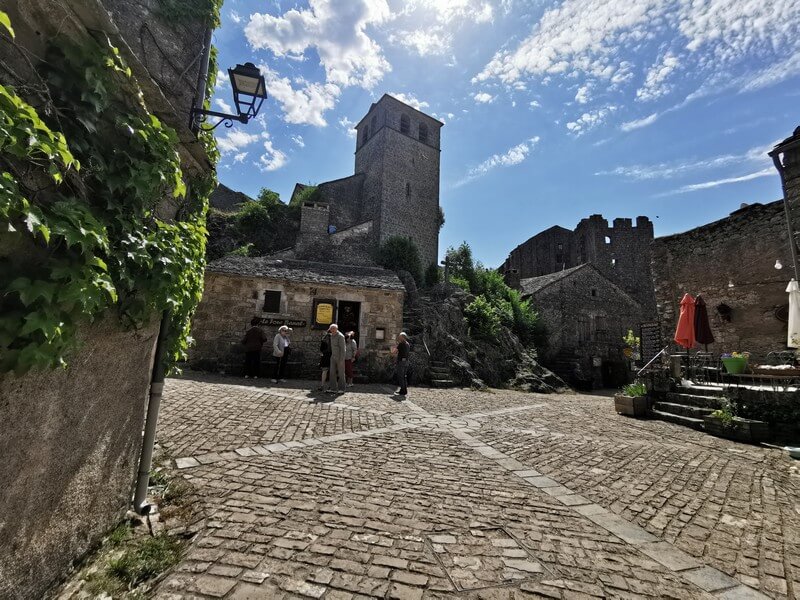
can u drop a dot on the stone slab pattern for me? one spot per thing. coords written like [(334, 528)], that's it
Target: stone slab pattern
[(207, 418), (356, 516), (733, 505)]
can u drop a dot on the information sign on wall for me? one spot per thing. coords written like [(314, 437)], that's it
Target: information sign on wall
[(324, 312)]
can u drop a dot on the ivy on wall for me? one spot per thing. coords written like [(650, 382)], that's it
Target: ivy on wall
[(81, 188)]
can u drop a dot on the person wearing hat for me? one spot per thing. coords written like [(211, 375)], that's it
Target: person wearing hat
[(338, 351), (281, 350), (253, 340), (401, 370)]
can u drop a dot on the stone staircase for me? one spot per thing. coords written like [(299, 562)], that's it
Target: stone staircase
[(688, 405), (440, 375)]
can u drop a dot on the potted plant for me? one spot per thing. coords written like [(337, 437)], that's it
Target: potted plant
[(735, 362), (632, 401), (724, 423), (632, 343)]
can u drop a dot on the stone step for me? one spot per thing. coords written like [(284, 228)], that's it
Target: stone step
[(443, 383), (713, 402), (678, 419), (695, 412), (702, 390)]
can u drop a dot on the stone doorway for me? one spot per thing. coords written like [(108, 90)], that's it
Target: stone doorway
[(349, 318)]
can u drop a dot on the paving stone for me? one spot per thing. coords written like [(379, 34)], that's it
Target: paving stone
[(212, 586), (669, 556), (709, 579), (370, 488), (742, 592), (186, 463)]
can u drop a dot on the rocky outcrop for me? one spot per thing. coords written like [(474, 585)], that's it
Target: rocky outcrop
[(503, 363)]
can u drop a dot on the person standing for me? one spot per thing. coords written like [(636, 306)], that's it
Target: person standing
[(325, 358), (281, 350), (350, 355), (401, 370), (338, 349), (253, 341)]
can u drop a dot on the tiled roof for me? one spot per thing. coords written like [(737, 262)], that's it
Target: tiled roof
[(532, 285), (307, 272)]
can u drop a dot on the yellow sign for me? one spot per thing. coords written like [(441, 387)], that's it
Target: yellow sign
[(324, 314)]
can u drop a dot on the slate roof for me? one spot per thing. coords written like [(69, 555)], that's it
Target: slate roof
[(306, 272), (227, 200), (531, 285)]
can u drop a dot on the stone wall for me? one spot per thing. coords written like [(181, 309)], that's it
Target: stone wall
[(70, 439), (70, 442), (621, 252), (586, 317), (343, 196), (229, 302), (401, 186), (741, 250)]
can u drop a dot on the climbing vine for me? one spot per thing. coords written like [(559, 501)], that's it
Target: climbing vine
[(82, 196)]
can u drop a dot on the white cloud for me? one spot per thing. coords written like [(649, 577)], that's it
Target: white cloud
[(236, 17), (348, 126), (449, 11), (235, 140), (223, 106), (648, 49), (639, 123), (484, 98), (240, 157), (655, 84), (754, 156), (717, 182), (424, 42), (582, 95), (513, 156), (589, 120), (298, 139), (336, 29), (306, 105), (272, 159), (411, 100), (535, 104)]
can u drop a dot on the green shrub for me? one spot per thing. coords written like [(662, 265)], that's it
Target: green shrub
[(432, 275), (482, 319), (242, 250), (462, 265), (635, 389), (310, 193), (399, 253)]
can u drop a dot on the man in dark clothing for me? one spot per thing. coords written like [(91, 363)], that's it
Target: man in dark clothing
[(402, 350), (253, 340)]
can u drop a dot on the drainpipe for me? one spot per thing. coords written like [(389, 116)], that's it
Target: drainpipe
[(148, 441), (159, 365), (792, 244)]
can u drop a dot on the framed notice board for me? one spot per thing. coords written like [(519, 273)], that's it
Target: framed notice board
[(652, 342), (323, 313)]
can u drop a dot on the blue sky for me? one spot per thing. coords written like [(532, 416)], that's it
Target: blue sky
[(553, 110)]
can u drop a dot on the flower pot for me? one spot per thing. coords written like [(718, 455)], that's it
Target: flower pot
[(735, 364), (631, 406), (740, 430)]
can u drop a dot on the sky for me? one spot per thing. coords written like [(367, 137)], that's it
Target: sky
[(553, 110)]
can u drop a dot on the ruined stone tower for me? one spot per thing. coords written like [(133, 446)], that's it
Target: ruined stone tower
[(397, 151)]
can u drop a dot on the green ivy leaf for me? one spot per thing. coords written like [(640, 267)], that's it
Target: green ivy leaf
[(5, 21)]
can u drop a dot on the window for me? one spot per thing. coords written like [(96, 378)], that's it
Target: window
[(594, 292), (560, 246), (608, 240), (408, 190), (423, 133), (405, 124), (374, 123), (272, 301), (365, 135), (613, 262)]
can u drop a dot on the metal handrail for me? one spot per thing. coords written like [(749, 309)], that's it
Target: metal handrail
[(650, 362)]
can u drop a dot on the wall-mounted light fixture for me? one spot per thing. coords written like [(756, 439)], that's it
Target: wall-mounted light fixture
[(249, 93)]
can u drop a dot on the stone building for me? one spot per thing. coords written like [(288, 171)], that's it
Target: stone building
[(621, 252), (304, 295), (227, 200), (586, 316), (731, 262), (70, 438), (394, 191)]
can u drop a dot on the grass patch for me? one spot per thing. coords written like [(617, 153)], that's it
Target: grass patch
[(144, 559)]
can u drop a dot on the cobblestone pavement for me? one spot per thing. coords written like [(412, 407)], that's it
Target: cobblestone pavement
[(456, 493)]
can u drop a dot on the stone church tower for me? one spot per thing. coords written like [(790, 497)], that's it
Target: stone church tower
[(397, 151)]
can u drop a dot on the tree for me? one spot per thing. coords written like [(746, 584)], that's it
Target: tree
[(462, 265), (399, 253), (267, 198)]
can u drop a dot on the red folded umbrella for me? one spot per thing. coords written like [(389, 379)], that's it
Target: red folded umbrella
[(702, 327), (684, 333)]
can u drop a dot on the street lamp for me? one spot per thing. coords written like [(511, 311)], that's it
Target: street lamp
[(249, 93)]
